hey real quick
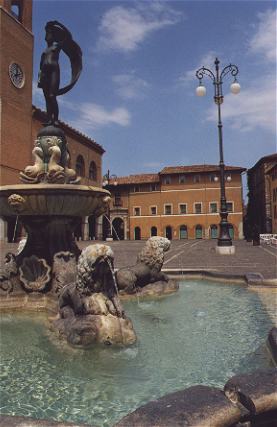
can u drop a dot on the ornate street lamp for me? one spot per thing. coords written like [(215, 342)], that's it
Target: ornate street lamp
[(224, 242), (106, 182)]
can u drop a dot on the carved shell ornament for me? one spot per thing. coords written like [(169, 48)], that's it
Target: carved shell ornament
[(35, 274)]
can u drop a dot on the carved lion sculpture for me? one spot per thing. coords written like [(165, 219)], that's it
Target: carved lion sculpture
[(89, 309), (148, 267)]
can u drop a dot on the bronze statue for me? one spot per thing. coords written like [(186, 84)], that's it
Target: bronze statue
[(57, 38)]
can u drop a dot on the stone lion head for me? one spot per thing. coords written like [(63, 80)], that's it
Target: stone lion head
[(94, 265), (153, 252)]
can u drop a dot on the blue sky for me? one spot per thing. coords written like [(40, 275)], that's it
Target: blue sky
[(136, 94)]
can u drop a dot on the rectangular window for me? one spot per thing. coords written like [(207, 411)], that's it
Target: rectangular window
[(213, 207), (137, 211), (136, 189), (197, 208), (183, 208), (196, 178), (167, 209), (153, 210), (153, 187), (182, 179), (167, 180), (117, 199), (230, 207), (213, 178)]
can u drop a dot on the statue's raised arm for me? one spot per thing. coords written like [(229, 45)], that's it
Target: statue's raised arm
[(58, 38)]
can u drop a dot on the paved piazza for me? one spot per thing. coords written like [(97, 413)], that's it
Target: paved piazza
[(195, 255)]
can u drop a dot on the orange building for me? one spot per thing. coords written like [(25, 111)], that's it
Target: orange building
[(21, 121), (180, 202)]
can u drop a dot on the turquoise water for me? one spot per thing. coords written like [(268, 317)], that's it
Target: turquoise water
[(203, 334)]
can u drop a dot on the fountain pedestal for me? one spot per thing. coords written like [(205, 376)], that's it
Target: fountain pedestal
[(49, 214), (47, 236)]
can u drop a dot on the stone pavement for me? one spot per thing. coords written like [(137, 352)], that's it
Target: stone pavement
[(194, 255)]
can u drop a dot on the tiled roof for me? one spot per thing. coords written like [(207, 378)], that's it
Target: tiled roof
[(155, 177), (197, 168), (137, 179), (81, 137), (264, 160)]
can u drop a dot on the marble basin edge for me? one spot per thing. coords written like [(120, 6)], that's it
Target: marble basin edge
[(52, 199)]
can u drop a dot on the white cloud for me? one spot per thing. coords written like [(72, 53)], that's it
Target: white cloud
[(253, 108), (128, 86), (92, 116), (124, 28), (38, 98), (263, 42), (206, 61)]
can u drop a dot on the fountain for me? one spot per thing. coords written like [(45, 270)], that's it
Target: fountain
[(83, 289), (48, 204)]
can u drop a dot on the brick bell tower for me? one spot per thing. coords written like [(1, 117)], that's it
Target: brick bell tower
[(16, 75)]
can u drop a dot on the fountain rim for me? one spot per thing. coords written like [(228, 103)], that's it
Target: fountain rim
[(28, 188)]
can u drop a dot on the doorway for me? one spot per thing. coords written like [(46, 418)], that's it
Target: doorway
[(168, 232)]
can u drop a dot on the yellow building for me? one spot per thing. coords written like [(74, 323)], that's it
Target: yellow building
[(179, 202)]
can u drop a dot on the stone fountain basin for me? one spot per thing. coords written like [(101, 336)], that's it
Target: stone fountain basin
[(53, 199)]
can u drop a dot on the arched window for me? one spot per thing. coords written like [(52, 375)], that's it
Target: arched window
[(80, 166), (183, 232), (214, 231), (93, 171), (137, 233), (168, 232), (16, 10), (198, 232), (154, 231)]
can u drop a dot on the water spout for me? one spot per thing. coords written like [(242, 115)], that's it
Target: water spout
[(111, 226), (15, 227), (113, 275)]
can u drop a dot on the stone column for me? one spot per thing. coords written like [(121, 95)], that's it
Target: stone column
[(99, 228), (125, 228), (240, 230), (85, 227), (3, 230)]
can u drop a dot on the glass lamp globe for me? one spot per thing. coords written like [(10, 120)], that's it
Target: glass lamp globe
[(216, 179), (201, 90), (105, 183), (235, 88), (228, 179), (115, 182)]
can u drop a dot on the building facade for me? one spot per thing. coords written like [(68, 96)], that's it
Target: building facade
[(260, 197), (180, 202), (21, 121), (272, 181)]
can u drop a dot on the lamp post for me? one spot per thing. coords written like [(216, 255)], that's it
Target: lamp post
[(224, 242), (106, 182)]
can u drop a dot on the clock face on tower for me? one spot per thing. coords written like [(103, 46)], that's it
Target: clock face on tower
[(16, 75)]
